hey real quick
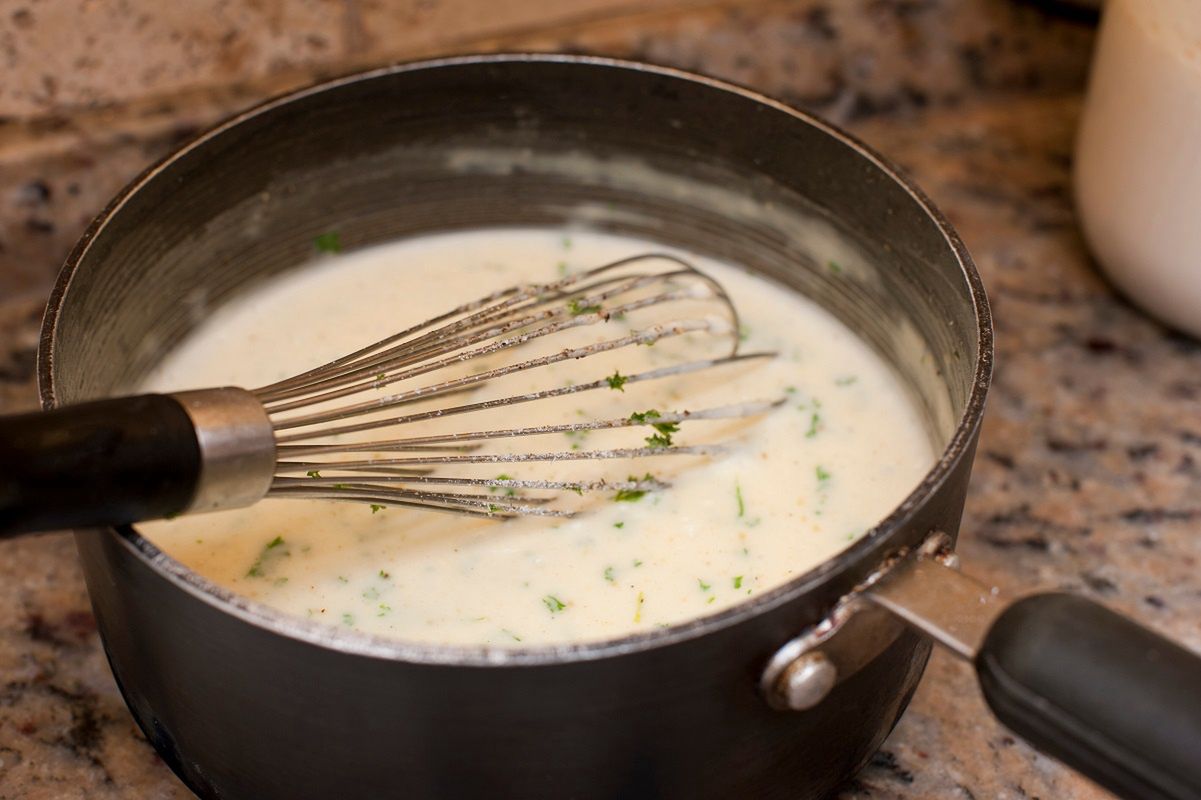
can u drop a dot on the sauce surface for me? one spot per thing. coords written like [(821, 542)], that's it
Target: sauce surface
[(796, 486)]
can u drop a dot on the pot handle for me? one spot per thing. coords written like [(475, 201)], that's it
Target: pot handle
[(1090, 687), (1097, 691), (106, 462)]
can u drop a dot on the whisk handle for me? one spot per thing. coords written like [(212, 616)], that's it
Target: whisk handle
[(106, 462)]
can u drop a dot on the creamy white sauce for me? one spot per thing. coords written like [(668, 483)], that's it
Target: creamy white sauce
[(797, 486)]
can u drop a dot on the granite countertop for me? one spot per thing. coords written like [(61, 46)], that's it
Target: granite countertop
[(1088, 470)]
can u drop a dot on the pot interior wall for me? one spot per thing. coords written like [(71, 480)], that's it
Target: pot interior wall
[(515, 143)]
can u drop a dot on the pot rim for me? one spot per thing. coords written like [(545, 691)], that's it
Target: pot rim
[(363, 644)]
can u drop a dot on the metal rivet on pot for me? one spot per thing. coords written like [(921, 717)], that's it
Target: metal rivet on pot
[(806, 681)]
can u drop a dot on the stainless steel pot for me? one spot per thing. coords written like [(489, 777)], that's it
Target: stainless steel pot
[(783, 696)]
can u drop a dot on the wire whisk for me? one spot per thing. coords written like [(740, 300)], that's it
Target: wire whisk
[(414, 420), (342, 398)]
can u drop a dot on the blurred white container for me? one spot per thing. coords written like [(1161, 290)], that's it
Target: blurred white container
[(1138, 156)]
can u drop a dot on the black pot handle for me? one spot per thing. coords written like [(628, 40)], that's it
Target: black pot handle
[(1104, 695), (1101, 693), (107, 462)]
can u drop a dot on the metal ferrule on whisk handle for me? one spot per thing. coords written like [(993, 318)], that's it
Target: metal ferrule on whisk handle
[(355, 429), (236, 442)]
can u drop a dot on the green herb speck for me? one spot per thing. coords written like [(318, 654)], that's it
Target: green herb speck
[(610, 576), (384, 609), (508, 632), (562, 267), (704, 586), (577, 308), (738, 497), (846, 380), (637, 562), (834, 267), (313, 473), (384, 575), (553, 603), (737, 581), (348, 620), (664, 430), (823, 475), (376, 507), (617, 381), (632, 495), (328, 242), (260, 566), (509, 490), (814, 420), (619, 524)]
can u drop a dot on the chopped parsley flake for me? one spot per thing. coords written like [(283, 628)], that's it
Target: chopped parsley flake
[(260, 566), (814, 421), (328, 242), (384, 575), (738, 497), (384, 609), (658, 440), (340, 486), (619, 524), (744, 333), (508, 632), (664, 430), (834, 267), (637, 562), (375, 507), (313, 473), (704, 586), (562, 267), (632, 495), (617, 381), (348, 620), (577, 308), (846, 381), (822, 474), (553, 603), (609, 575), (509, 490), (737, 581)]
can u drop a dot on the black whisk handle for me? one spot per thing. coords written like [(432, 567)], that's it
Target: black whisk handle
[(106, 462)]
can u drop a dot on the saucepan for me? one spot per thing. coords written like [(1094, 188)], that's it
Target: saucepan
[(785, 695)]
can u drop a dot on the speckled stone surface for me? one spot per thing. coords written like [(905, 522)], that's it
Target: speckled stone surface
[(1089, 469)]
